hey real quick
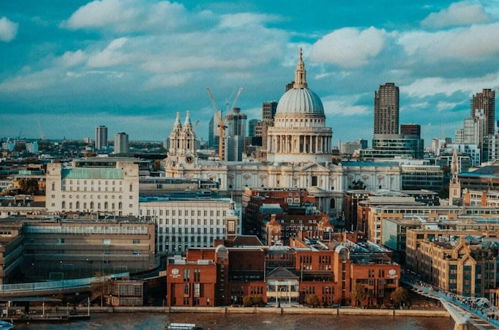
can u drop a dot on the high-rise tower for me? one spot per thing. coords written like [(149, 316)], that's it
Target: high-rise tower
[(101, 137), (386, 109), (486, 103)]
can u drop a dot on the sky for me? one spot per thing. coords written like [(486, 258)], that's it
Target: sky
[(69, 66)]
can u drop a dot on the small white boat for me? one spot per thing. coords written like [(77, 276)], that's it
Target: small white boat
[(182, 326)]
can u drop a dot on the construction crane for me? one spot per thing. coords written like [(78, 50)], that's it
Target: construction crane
[(221, 126)]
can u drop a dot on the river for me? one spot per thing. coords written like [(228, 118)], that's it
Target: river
[(139, 321)]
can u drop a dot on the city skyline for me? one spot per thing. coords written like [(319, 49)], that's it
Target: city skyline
[(79, 66)]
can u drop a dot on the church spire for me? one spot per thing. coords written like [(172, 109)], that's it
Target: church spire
[(300, 73), (177, 122), (187, 121)]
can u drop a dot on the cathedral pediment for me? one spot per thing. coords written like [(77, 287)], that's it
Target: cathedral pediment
[(313, 167)]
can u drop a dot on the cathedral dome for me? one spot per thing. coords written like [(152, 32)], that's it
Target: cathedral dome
[(300, 100)]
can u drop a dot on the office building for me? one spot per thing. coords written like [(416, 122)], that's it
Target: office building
[(107, 186), (410, 129), (189, 220), (243, 267), (101, 138), (252, 127), (485, 102), (121, 143), (386, 109), (394, 145), (234, 135)]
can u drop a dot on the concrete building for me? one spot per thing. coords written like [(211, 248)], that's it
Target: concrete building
[(190, 220), (57, 249), (485, 102), (111, 188), (386, 109), (417, 177), (394, 145), (410, 129), (101, 138), (252, 127), (121, 143)]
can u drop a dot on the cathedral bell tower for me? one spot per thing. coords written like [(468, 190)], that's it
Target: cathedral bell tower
[(182, 149)]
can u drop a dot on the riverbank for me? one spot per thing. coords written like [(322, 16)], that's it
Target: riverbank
[(265, 310)]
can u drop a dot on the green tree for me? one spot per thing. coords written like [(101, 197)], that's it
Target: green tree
[(399, 296), (358, 294), (312, 300), (156, 165), (252, 301), (29, 186)]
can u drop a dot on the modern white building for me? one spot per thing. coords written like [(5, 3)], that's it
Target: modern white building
[(184, 221), (95, 188)]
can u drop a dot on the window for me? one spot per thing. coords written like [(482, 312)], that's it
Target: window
[(131, 187), (106, 242), (186, 274), (136, 241)]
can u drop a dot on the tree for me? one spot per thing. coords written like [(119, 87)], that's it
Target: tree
[(399, 296), (252, 301), (312, 300), (358, 294), (29, 186)]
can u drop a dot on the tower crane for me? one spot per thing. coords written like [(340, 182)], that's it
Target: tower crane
[(221, 125)]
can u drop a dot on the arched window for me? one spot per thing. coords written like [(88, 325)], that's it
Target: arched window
[(53, 185), (105, 205), (91, 205), (120, 205), (63, 204), (77, 205), (131, 187)]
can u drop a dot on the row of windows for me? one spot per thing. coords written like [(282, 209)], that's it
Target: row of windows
[(92, 206), (185, 212), (192, 230), (193, 239), (192, 222), (93, 196)]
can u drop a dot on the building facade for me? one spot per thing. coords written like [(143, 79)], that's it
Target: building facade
[(386, 109), (190, 221), (106, 190), (121, 143), (101, 138)]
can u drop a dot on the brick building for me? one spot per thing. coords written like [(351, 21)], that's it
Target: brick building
[(281, 274)]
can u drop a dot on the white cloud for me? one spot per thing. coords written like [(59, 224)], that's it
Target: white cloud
[(8, 29), (111, 55), (349, 47), (166, 81), (334, 105), (436, 85), (70, 58), (470, 44), (245, 19), (132, 15), (458, 13)]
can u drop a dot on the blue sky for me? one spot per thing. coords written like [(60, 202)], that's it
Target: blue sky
[(68, 66)]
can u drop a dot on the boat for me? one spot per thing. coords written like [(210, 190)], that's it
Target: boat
[(182, 326)]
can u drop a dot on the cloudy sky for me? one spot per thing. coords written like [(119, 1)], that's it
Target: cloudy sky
[(68, 66)]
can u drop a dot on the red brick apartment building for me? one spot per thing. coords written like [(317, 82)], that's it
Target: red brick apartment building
[(227, 273)]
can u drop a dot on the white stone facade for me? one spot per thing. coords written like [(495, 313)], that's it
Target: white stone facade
[(93, 189), (192, 222)]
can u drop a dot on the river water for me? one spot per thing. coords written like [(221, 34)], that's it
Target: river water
[(139, 321)]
